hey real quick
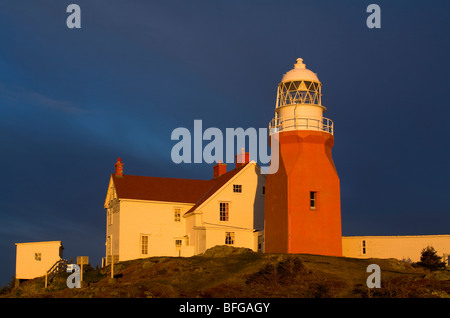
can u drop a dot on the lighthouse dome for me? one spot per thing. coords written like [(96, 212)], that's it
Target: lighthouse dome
[(300, 72)]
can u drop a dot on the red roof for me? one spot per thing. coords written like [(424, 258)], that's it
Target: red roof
[(219, 183), (170, 189)]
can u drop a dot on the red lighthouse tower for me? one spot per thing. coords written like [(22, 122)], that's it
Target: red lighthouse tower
[(302, 204)]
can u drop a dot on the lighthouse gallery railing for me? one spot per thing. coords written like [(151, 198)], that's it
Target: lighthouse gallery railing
[(301, 123)]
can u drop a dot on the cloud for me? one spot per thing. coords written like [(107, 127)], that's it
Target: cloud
[(64, 106), (29, 97)]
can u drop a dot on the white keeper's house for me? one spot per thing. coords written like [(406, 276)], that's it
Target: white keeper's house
[(154, 216)]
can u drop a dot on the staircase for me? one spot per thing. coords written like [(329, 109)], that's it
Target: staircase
[(59, 267)]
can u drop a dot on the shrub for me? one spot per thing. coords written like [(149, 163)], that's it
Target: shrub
[(429, 259)]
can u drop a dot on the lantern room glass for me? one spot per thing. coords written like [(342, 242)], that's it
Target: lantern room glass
[(299, 92)]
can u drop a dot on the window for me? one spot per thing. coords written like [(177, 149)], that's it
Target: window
[(37, 257), (108, 245), (178, 243), (229, 238), (237, 188), (177, 215), (224, 209), (312, 200), (264, 190), (109, 216), (144, 244), (364, 247)]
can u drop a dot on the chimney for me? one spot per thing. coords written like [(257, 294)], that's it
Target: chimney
[(242, 158), (219, 169), (119, 168)]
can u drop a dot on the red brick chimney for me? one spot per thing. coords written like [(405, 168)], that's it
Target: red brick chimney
[(242, 158), (219, 169), (119, 168)]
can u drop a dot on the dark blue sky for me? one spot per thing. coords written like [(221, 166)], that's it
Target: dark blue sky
[(73, 100)]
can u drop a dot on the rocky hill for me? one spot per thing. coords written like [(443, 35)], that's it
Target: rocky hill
[(226, 272)]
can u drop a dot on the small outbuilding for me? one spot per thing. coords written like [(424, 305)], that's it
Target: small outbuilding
[(34, 259)]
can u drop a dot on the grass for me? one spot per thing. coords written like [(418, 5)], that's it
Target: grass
[(239, 273)]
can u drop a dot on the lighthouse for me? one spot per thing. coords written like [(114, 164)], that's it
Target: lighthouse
[(302, 199)]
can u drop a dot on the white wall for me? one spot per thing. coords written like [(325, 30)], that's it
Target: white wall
[(27, 266), (155, 219), (246, 213), (399, 247)]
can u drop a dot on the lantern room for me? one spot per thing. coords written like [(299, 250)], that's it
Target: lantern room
[(299, 102)]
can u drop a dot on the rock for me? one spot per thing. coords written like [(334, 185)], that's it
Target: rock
[(225, 250), (147, 264)]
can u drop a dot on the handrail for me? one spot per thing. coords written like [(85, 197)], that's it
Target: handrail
[(301, 123), (53, 266), (59, 267)]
